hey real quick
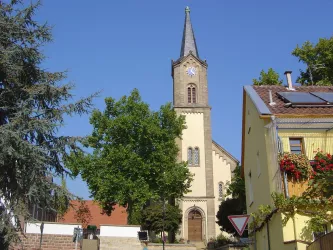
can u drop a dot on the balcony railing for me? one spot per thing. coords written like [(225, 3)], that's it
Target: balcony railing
[(325, 242), (292, 186)]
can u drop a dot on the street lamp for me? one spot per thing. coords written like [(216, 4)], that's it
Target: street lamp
[(163, 237)]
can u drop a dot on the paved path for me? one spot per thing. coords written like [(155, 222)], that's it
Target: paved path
[(200, 245)]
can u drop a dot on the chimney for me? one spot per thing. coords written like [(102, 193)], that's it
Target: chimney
[(271, 98), (290, 83)]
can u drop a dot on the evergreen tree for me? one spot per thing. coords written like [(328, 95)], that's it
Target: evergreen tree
[(32, 108)]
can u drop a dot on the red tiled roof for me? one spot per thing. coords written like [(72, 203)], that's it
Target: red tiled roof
[(118, 215), (280, 108)]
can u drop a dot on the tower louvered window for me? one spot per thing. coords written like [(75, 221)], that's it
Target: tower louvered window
[(194, 98), (191, 94)]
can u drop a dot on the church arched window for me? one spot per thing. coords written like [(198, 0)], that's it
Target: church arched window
[(196, 156), (191, 94), (189, 156), (221, 187)]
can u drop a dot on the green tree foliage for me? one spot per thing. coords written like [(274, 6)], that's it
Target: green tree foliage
[(82, 214), (134, 155), (152, 218), (32, 106), (62, 203), (269, 78), (236, 188), (234, 206), (318, 59)]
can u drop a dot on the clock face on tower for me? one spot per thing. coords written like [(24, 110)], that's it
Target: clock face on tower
[(191, 71)]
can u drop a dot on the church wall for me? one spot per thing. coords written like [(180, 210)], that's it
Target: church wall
[(222, 173), (193, 137)]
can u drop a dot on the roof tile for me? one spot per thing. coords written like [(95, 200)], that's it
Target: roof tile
[(280, 108)]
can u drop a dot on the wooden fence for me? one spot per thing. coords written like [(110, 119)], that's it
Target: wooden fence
[(325, 242)]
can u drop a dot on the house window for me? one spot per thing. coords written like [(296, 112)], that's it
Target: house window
[(196, 156), (250, 189), (258, 165), (317, 235), (189, 156), (296, 145), (191, 94), (220, 190)]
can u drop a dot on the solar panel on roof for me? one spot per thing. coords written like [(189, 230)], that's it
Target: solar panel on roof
[(324, 95), (301, 98)]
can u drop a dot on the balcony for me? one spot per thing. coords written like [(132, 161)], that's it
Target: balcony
[(318, 132)]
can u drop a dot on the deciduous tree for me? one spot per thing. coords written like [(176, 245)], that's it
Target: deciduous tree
[(318, 59), (155, 220), (82, 213), (232, 206), (134, 157), (269, 78)]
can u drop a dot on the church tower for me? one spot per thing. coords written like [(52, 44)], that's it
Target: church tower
[(190, 98)]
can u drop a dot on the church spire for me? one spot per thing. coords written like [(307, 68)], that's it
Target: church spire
[(188, 42)]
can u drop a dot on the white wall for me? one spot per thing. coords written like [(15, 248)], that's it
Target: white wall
[(119, 231), (51, 228)]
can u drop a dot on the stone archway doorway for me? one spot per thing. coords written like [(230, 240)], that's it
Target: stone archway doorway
[(195, 226)]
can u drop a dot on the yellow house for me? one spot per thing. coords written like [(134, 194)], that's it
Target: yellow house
[(280, 119)]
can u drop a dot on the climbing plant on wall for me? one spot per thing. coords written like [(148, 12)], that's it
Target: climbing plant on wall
[(316, 202)]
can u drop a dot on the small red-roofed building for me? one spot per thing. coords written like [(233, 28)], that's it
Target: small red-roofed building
[(117, 217)]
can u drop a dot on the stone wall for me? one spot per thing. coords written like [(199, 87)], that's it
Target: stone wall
[(230, 247), (116, 243), (153, 246), (50, 242)]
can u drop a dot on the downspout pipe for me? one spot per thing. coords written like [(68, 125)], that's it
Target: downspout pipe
[(285, 182), (268, 238)]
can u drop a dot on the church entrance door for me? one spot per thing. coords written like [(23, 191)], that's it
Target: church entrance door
[(195, 226)]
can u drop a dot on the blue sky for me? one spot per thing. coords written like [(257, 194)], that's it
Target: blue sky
[(116, 46)]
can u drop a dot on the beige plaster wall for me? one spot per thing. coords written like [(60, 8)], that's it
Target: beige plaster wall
[(255, 159), (222, 173), (193, 137)]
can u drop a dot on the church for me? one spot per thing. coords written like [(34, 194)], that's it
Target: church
[(210, 163)]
